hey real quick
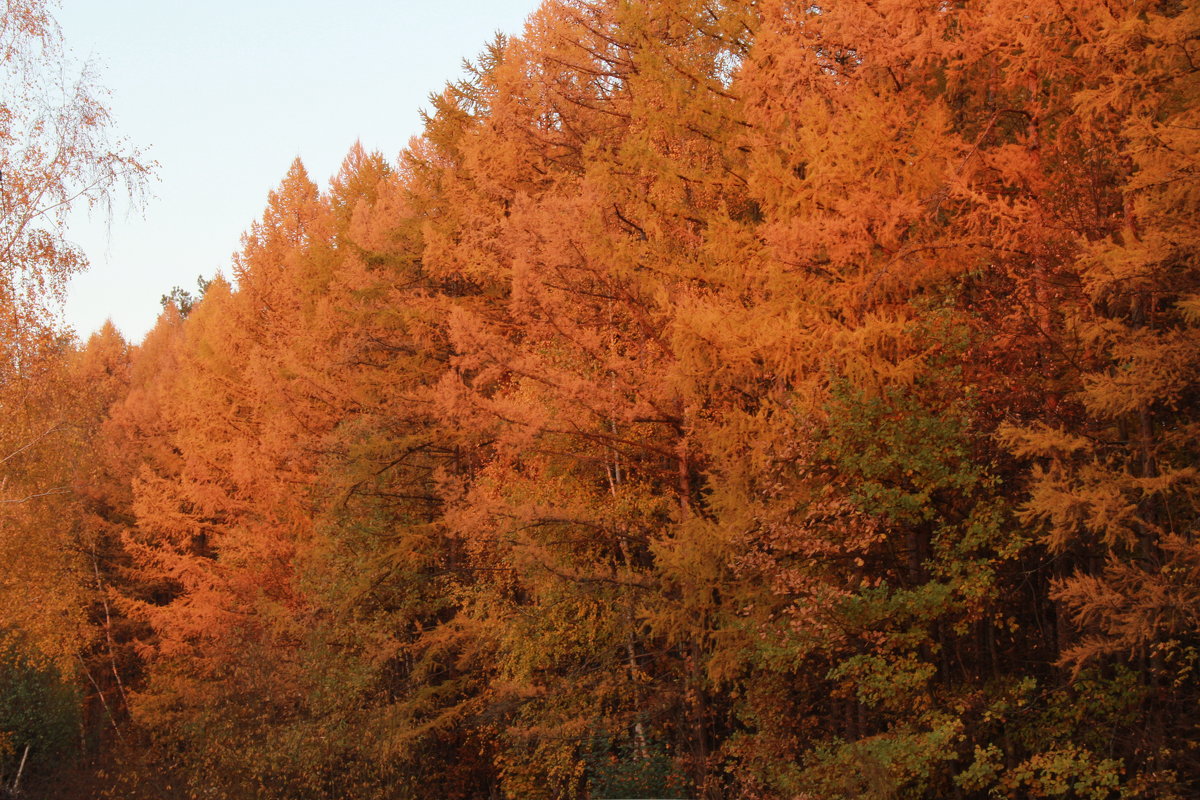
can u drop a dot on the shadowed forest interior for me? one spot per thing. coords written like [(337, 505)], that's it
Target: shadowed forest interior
[(719, 399)]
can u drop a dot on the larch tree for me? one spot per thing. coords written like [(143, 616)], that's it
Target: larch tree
[(723, 399)]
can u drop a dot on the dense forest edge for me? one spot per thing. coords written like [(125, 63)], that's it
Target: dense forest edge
[(719, 399)]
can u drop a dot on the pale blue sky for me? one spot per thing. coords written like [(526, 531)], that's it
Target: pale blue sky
[(224, 94)]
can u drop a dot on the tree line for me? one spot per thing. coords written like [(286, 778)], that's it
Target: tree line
[(718, 399)]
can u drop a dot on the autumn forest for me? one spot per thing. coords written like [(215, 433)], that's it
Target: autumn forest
[(719, 399)]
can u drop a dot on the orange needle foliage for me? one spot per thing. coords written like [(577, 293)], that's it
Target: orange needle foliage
[(736, 399)]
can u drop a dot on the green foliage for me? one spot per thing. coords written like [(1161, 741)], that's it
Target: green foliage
[(1069, 772), (184, 300), (905, 763), (40, 709), (623, 769), (901, 450)]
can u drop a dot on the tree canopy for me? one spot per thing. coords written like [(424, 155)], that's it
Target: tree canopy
[(718, 399)]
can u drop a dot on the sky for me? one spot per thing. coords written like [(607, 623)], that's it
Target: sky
[(224, 94)]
